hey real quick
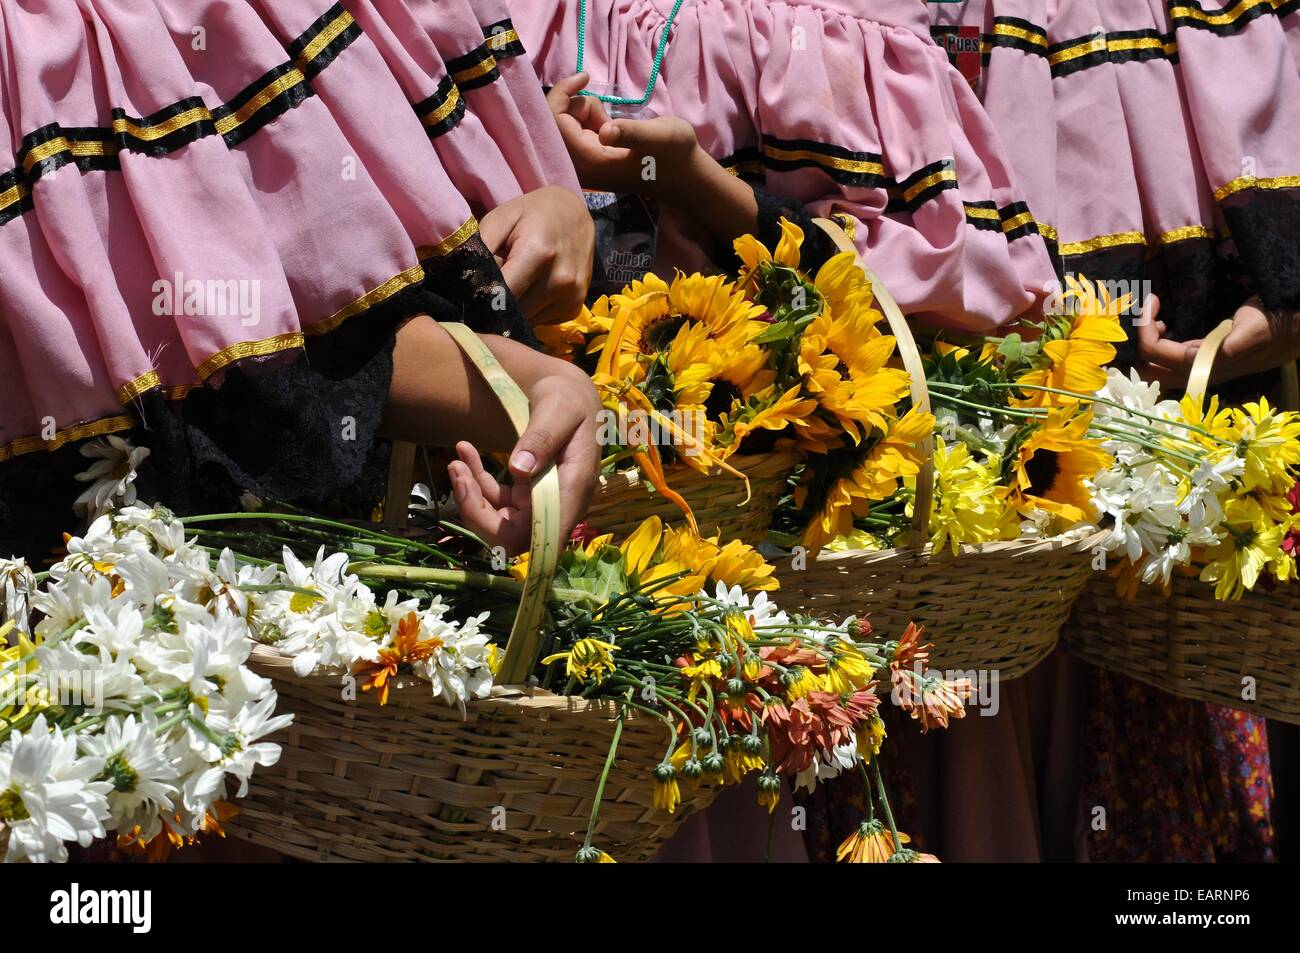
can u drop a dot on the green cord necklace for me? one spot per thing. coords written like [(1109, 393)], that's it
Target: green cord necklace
[(654, 70)]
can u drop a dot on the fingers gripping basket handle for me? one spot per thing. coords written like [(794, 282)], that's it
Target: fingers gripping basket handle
[(524, 644), (1198, 382), (911, 357)]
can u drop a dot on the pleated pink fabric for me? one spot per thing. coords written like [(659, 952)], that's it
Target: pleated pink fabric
[(846, 109), (1154, 140), (189, 183)]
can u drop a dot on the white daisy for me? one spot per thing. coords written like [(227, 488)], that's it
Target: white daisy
[(48, 795), (142, 777), (111, 478)]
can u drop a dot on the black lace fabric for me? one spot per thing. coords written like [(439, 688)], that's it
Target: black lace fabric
[(1265, 225), (302, 428)]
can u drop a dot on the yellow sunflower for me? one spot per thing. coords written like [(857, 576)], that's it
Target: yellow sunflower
[(895, 456), (578, 337), (753, 253), (765, 410), (846, 291), (1077, 362), (733, 564), (1052, 463), (658, 310), (710, 380), (843, 363)]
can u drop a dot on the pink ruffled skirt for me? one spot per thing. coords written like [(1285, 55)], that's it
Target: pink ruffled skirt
[(189, 185)]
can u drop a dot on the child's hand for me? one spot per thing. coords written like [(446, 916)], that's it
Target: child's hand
[(1259, 341), (562, 428), (645, 156), (545, 240)]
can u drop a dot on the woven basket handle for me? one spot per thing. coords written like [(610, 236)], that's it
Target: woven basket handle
[(911, 357), (525, 642), (1198, 382)]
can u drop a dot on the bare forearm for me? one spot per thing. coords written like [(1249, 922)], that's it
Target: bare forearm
[(437, 396), (715, 198)]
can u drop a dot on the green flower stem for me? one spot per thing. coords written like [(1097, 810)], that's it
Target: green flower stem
[(317, 521), (1013, 413), (884, 803), (202, 728), (1149, 444), (618, 456), (457, 578), (1108, 402), (866, 790), (604, 774)]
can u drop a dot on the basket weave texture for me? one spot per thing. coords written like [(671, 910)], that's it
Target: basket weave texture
[(1195, 646), (623, 501), (360, 782), (993, 607)]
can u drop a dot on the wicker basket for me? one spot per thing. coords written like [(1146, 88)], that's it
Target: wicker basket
[(623, 500), (993, 607), (412, 780), (1189, 643), (357, 782)]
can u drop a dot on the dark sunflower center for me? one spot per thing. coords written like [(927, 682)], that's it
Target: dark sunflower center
[(720, 399), (1042, 469), (659, 333)]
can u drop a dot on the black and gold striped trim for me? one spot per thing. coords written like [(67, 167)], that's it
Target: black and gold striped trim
[(1126, 46), (321, 43), (983, 215), (98, 148), (443, 110), (502, 40), (863, 169), (922, 186), (1136, 239), (1017, 34), (273, 95), (15, 196), (1017, 221), (746, 162), (845, 166), (476, 68), (1013, 221), (1226, 21)]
